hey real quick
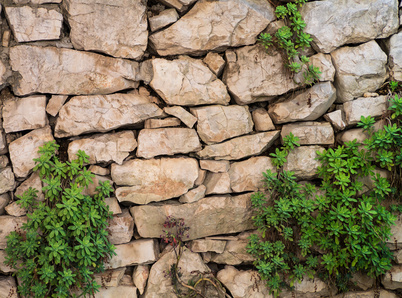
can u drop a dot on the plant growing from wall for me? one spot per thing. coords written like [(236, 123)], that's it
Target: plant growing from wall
[(64, 240)]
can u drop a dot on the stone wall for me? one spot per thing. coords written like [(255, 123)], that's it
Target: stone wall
[(179, 107)]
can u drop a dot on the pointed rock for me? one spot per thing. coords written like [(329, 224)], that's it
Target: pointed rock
[(182, 114), (140, 277)]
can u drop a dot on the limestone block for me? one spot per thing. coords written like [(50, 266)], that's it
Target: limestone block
[(324, 63), (392, 279), (262, 121), (140, 277), (160, 123), (113, 204), (179, 112), (7, 181), (193, 195), (4, 200), (302, 161), (336, 118), (217, 183), (8, 287), (109, 278), (165, 18), (215, 166), (215, 63), (206, 245), (394, 51), (55, 104), (364, 106), (310, 133), (121, 228), (15, 209), (8, 224)]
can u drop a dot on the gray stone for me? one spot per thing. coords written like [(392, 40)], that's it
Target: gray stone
[(302, 161), (160, 123), (364, 106), (7, 181), (262, 121), (394, 50), (179, 112), (55, 104), (3, 161), (113, 205), (362, 281), (395, 241), (310, 133), (165, 18)]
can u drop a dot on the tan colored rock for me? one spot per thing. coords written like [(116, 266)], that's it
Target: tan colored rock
[(160, 123), (217, 183), (218, 123), (359, 69), (214, 25), (4, 200), (143, 251), (193, 195), (24, 113), (7, 181), (104, 148), (8, 287), (165, 18), (3, 161), (215, 166), (116, 28), (201, 177), (3, 144), (302, 161), (209, 216), (4, 268), (253, 76), (215, 63), (187, 82), (247, 175), (309, 288), (167, 141), (55, 104), (14, 209), (207, 245), (140, 277), (398, 256), (24, 149), (121, 228), (34, 182), (180, 5), (154, 180), (393, 46), (362, 281), (262, 121), (240, 147), (64, 71), (5, 41), (305, 105), (109, 278), (364, 106), (36, 1), (84, 114), (113, 204), (367, 294), (358, 134), (336, 118), (179, 112), (29, 23), (8, 224), (99, 170), (310, 133), (120, 291), (324, 63), (392, 279)]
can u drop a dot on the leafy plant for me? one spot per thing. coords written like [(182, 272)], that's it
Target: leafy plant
[(64, 240), (393, 85), (289, 143)]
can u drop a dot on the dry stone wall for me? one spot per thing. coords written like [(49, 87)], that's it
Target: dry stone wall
[(179, 107)]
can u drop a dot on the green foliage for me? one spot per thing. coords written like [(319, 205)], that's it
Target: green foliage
[(393, 85), (289, 143), (64, 240)]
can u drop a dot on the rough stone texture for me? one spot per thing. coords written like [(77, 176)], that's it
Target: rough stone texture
[(304, 105), (84, 114), (117, 28), (262, 121), (217, 183), (64, 71), (180, 5), (358, 133), (160, 123), (215, 63), (36, 1), (392, 279), (8, 224), (214, 25), (137, 252), (4, 268), (8, 287), (364, 106), (193, 195), (179, 112), (209, 216), (140, 277), (4, 200), (3, 144), (243, 284), (104, 148), (165, 18), (324, 63), (334, 23), (24, 113), (367, 294), (394, 49), (240, 147), (398, 256), (110, 278), (187, 81), (120, 291), (247, 175), (362, 281), (23, 150), (98, 170), (15, 209), (3, 161), (29, 24), (302, 161), (121, 228), (395, 241), (309, 288), (206, 245), (154, 180), (113, 204), (359, 69), (7, 181), (252, 76), (337, 119), (167, 141), (55, 104), (216, 166), (310, 133)]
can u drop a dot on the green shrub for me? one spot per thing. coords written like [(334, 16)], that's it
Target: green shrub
[(65, 239)]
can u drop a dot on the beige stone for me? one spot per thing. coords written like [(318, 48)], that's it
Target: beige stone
[(120, 291), (34, 182), (309, 288), (24, 113), (179, 112), (215, 63), (187, 82), (5, 41), (392, 279), (180, 5), (117, 28), (364, 106), (160, 123), (398, 256), (358, 134), (395, 241), (206, 245), (324, 63), (36, 1), (121, 228), (165, 18), (24, 149), (305, 105), (4, 200), (214, 25), (8, 224), (167, 141), (336, 118), (113, 204), (193, 195), (201, 177), (68, 72), (216, 166), (209, 216), (8, 287), (90, 190), (3, 144), (14, 209), (262, 121), (302, 161), (218, 123), (240, 147), (30, 23), (362, 281), (146, 181), (55, 104), (110, 278), (3, 267), (217, 183), (393, 46), (140, 277), (101, 113), (3, 161), (310, 133), (98, 170), (7, 181)]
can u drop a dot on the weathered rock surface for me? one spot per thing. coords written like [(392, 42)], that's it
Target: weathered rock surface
[(55, 104), (262, 121), (120, 291), (143, 251), (217, 183), (8, 224), (140, 277), (310, 133), (29, 24), (4, 200), (104, 148), (24, 113), (3, 161), (215, 166), (214, 25), (395, 241), (364, 106), (113, 204), (302, 161), (160, 123), (3, 144), (84, 114), (4, 268), (151, 180), (7, 181), (64, 71), (359, 69), (252, 76), (167, 141), (179, 112), (240, 147), (362, 281), (324, 63), (180, 5), (15, 209), (208, 216), (334, 23), (98, 170), (118, 28), (36, 1), (8, 287), (394, 49), (309, 288), (23, 150), (215, 63), (393, 278), (34, 182), (121, 228), (247, 175), (206, 245), (367, 294), (188, 82), (110, 278), (165, 18), (304, 105), (336, 119)]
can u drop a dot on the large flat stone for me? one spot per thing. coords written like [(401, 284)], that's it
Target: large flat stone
[(206, 217), (302, 161), (64, 71), (364, 106), (151, 180), (117, 28), (310, 133)]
